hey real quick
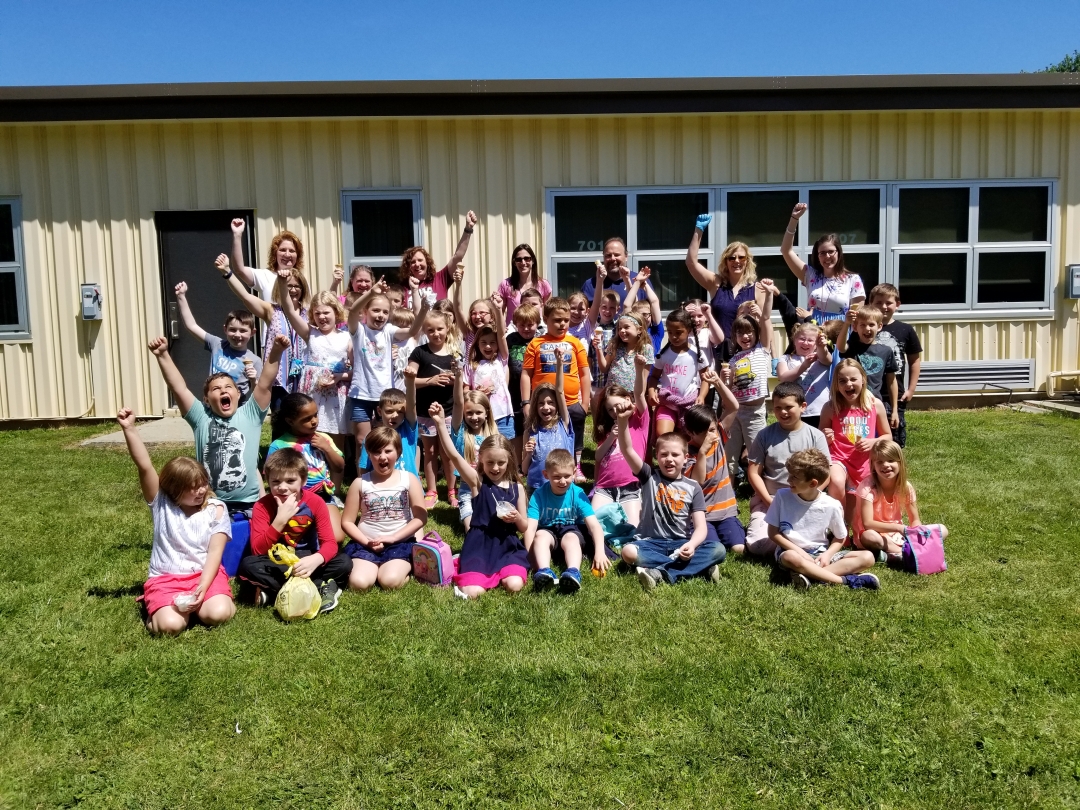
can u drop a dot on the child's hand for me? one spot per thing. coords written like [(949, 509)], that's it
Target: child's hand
[(222, 262), (685, 551), (559, 356), (601, 562), (598, 340), (652, 398), (379, 287), (624, 274), (830, 436), (905, 396), (238, 226), (753, 311), (287, 509), (496, 300), (249, 371), (623, 411), (849, 316), (339, 273), (442, 379), (725, 375), (510, 517), (323, 443), (284, 273), (159, 347), (530, 446), (712, 438), (459, 273), (470, 220), (409, 373), (282, 341), (865, 445), (126, 418), (436, 411), (894, 420), (769, 286), (798, 210), (200, 594), (641, 361), (823, 560), (645, 273), (710, 376), (414, 283), (181, 289), (822, 341), (307, 566)]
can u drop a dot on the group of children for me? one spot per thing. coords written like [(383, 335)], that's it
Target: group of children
[(426, 384)]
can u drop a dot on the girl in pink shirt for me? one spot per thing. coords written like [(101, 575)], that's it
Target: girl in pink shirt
[(615, 481)]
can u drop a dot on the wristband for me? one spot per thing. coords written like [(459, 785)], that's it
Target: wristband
[(468, 229), (793, 233), (228, 275)]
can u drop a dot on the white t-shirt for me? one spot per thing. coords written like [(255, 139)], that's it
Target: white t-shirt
[(373, 364), (402, 349), (805, 523), (264, 282), (180, 542), (680, 372), (704, 341), (750, 374), (493, 373)]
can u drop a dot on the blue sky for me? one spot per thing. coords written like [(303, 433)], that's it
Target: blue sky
[(118, 41)]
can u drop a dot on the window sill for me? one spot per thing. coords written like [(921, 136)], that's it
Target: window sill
[(16, 337)]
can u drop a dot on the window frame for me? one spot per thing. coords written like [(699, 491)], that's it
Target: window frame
[(17, 268), (416, 195)]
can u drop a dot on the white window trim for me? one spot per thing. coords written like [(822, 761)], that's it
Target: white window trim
[(21, 330), (416, 195)]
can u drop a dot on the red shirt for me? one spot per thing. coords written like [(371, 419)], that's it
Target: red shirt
[(310, 529)]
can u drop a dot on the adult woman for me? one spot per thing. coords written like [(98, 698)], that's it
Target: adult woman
[(523, 276), (286, 253), (732, 285), (417, 263), (831, 289)]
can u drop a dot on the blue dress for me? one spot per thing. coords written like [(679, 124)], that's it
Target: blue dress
[(493, 550), (724, 306)]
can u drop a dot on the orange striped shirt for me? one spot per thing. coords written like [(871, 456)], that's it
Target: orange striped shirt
[(719, 495)]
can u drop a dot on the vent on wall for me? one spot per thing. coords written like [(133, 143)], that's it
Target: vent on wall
[(977, 376)]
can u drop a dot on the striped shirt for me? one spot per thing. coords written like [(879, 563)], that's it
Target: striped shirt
[(719, 494)]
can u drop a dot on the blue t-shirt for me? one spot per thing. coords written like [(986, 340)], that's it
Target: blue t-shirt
[(569, 509), (559, 436), (407, 460), (656, 334), (224, 358), (589, 288)]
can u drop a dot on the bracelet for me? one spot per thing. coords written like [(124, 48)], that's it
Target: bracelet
[(228, 275), (468, 230), (793, 233)]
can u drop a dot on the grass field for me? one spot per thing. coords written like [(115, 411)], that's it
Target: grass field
[(959, 690)]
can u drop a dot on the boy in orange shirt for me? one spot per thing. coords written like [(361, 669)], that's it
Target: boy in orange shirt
[(539, 367)]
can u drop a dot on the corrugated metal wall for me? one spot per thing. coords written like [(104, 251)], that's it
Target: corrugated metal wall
[(89, 193)]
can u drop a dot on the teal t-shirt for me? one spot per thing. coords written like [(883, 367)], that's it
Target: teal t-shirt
[(229, 449), (569, 509)]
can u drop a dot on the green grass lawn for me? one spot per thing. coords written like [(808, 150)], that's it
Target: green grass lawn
[(959, 690)]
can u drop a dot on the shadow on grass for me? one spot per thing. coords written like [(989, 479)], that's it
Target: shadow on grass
[(135, 589)]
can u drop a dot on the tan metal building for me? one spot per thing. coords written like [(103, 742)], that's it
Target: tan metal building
[(962, 190)]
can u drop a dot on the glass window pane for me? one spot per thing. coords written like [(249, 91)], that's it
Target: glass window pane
[(853, 214), (572, 275), (933, 215), (866, 265), (672, 281), (775, 268), (759, 218), (1012, 277), (933, 278), (9, 300), (382, 227), (666, 221), (7, 235), (582, 223), (1013, 214)]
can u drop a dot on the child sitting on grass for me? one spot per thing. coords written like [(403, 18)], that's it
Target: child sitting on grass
[(291, 515), (557, 511), (186, 579), (808, 529), (227, 434), (232, 355), (674, 542)]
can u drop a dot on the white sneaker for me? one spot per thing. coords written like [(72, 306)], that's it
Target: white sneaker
[(799, 581), (648, 577)]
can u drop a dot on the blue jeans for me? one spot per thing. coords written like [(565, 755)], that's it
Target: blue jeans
[(728, 531), (655, 552)]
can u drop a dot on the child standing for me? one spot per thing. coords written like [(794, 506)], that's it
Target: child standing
[(649, 309), (390, 504), (615, 481), (232, 355), (852, 421), (881, 501), (526, 321), (291, 515), (539, 367), (557, 511), (227, 434), (748, 377), (432, 365), (808, 529), (876, 358), (579, 325), (486, 371), (631, 339), (547, 424), (810, 366), (471, 423), (493, 553), (186, 579), (675, 380), (674, 542), (907, 352)]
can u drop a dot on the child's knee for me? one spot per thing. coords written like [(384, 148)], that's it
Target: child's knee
[(513, 584), (629, 554), (362, 580), (871, 540), (473, 591), (391, 580), (571, 543), (944, 531), (167, 622), (217, 610), (864, 559)]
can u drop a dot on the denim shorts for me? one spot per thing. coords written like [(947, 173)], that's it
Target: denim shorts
[(464, 500), (506, 426), (815, 553), (363, 410), (628, 494)]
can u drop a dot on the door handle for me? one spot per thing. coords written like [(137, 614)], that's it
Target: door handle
[(174, 332)]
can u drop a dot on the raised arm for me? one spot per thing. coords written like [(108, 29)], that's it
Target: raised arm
[(631, 456), (159, 347), (263, 310), (459, 399), (500, 327), (263, 387), (339, 280), (702, 275), (190, 323), (716, 333), (641, 377), (598, 293), (787, 247), (765, 319), (245, 273), (842, 337), (643, 276), (455, 298), (356, 311), (410, 394), (409, 333), (465, 470), (148, 477), (560, 392), (463, 243), (300, 325)]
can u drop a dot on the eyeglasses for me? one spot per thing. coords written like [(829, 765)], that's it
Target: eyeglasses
[(736, 258), (826, 253), (523, 259)]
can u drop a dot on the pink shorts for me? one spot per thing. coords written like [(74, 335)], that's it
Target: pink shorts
[(670, 413), (159, 591), (490, 581)]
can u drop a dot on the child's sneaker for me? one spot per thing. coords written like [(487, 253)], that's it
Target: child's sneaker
[(330, 593), (579, 476), (451, 496), (570, 581), (799, 582), (712, 573), (862, 581), (543, 579), (648, 577), (431, 497)]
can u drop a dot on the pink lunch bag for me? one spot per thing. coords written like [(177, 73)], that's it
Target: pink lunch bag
[(432, 561), (924, 550)]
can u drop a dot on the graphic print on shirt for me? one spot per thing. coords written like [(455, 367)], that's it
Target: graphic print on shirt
[(742, 373), (386, 506), (872, 364), (547, 357), (296, 526), (222, 363), (887, 340), (675, 499), (855, 427), (224, 457)]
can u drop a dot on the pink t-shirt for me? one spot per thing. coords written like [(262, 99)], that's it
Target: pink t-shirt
[(885, 511), (434, 290), (512, 297), (612, 470), (850, 427)]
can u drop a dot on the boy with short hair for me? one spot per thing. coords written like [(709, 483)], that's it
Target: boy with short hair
[(232, 355), (398, 412), (674, 540), (768, 457), (402, 349), (227, 434), (526, 321), (907, 351), (808, 529), (875, 357), (298, 518), (557, 511), (538, 366)]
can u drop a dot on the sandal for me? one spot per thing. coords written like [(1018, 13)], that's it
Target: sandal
[(451, 495), (431, 497)]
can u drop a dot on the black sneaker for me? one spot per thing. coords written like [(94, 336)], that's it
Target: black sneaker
[(799, 582), (330, 593)]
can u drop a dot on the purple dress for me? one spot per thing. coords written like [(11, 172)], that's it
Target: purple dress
[(492, 550), (724, 306)]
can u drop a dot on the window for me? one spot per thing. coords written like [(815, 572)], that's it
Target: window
[(378, 226), (13, 318)]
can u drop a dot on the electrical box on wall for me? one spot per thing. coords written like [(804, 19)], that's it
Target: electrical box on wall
[(1072, 281), (91, 302)]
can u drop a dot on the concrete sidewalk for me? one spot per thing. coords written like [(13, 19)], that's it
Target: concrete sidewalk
[(169, 430)]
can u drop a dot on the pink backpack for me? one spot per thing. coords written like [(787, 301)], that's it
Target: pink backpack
[(432, 561), (924, 550)]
